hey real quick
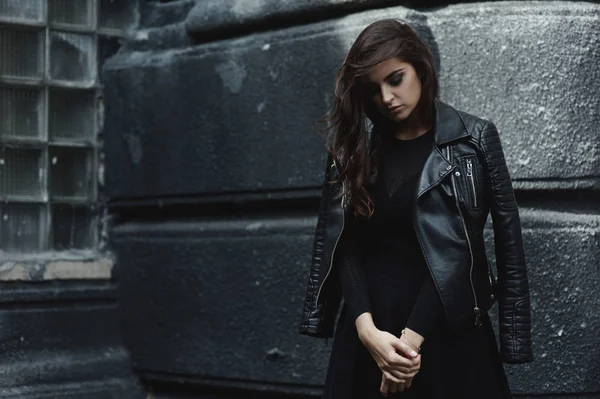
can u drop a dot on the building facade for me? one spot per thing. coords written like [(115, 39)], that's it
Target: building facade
[(159, 207)]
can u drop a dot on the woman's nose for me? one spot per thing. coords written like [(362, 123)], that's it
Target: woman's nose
[(386, 96)]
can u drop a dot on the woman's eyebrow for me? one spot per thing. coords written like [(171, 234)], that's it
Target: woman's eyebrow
[(393, 73), (371, 83)]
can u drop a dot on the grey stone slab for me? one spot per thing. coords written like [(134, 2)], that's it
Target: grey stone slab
[(532, 68), (228, 117), (61, 339), (563, 256), (220, 301)]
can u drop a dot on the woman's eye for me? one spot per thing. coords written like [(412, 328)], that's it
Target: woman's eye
[(396, 80)]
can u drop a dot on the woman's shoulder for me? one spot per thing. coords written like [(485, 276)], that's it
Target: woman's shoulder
[(473, 123)]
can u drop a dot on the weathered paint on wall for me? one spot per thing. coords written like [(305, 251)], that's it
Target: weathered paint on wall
[(216, 212)]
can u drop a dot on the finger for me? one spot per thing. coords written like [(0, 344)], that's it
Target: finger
[(400, 369), (400, 375), (384, 385), (408, 383), (404, 349), (392, 378), (401, 387), (393, 387), (400, 362), (414, 368), (418, 360)]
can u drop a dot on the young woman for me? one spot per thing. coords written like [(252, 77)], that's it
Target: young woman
[(403, 210)]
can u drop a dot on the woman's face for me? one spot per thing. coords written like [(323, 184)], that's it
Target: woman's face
[(394, 88)]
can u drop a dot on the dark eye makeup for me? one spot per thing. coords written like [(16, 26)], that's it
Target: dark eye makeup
[(394, 80)]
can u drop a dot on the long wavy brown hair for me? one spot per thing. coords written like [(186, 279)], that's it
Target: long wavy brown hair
[(354, 146)]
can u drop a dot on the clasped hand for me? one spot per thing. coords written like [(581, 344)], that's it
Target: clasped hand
[(398, 361)]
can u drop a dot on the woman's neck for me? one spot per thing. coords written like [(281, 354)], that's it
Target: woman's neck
[(412, 127)]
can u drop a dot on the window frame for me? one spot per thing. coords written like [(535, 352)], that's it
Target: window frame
[(45, 141)]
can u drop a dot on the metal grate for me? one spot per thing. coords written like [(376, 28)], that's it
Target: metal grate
[(71, 175), (21, 54), (72, 227), (72, 57), (20, 227), (71, 12), (22, 174), (71, 115), (21, 113), (50, 55)]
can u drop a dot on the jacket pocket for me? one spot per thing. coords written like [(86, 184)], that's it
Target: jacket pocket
[(469, 179)]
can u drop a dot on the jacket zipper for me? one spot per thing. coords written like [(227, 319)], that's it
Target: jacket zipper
[(334, 247), (476, 310), (472, 180)]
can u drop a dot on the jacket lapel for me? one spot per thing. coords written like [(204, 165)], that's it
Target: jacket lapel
[(448, 127), (435, 169)]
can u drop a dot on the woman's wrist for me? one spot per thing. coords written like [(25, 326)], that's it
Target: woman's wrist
[(365, 327), (413, 338)]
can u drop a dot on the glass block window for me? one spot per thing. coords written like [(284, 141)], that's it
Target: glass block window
[(51, 53)]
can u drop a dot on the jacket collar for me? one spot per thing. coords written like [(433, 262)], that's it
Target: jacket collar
[(449, 127), (448, 124)]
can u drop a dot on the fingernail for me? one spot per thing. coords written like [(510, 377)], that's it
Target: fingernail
[(413, 353)]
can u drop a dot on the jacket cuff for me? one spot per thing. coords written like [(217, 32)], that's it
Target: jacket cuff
[(515, 333), (516, 358)]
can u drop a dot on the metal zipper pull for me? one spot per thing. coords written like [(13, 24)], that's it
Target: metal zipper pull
[(477, 313), (472, 180)]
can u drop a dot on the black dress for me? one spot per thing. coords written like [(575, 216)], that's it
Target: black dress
[(382, 271)]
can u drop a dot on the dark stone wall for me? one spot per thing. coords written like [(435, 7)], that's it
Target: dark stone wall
[(214, 172), (61, 339)]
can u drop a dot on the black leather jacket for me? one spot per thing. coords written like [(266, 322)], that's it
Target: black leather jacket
[(463, 179)]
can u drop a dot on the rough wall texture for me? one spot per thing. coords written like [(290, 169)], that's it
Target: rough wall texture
[(213, 167), (62, 339)]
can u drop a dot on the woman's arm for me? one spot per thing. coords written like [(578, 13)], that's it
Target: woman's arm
[(427, 312), (513, 284), (351, 271)]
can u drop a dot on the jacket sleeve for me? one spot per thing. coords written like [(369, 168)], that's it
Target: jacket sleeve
[(513, 284), (313, 313), (353, 281)]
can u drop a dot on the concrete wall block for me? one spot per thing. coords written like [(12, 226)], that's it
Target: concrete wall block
[(220, 301), (563, 254), (62, 340), (226, 117), (532, 68)]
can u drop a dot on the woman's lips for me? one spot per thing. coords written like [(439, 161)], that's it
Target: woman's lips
[(395, 109)]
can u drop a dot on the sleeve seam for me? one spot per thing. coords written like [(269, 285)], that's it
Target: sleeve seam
[(492, 179)]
